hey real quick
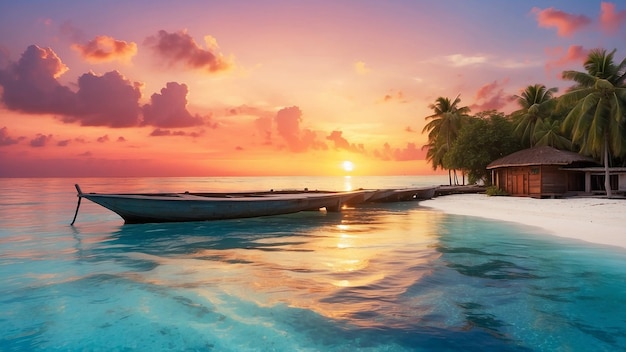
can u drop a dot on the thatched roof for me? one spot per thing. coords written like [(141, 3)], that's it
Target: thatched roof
[(541, 156)]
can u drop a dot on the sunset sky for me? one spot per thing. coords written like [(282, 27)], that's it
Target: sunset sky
[(210, 88)]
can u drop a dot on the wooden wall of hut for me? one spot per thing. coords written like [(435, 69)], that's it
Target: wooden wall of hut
[(538, 181)]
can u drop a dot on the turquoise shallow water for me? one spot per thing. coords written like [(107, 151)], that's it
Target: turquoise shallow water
[(387, 277)]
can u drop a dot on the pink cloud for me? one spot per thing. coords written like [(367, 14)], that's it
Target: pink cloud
[(68, 29), (610, 20), (566, 24), (409, 152), (574, 54), (180, 47), (104, 48), (6, 140), (341, 143), (263, 124), (169, 133), (41, 140), (103, 139), (288, 126), (30, 85), (491, 96), (107, 100), (169, 109)]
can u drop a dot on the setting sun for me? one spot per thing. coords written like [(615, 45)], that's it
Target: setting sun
[(347, 166)]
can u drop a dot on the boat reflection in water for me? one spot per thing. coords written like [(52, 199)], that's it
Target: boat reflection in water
[(349, 266)]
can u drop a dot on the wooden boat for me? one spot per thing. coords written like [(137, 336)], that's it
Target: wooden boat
[(179, 207)]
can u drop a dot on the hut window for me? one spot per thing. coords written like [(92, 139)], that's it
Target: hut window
[(534, 171)]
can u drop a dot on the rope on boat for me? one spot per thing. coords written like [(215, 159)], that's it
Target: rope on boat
[(80, 196)]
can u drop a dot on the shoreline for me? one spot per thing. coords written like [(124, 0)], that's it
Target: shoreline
[(595, 220)]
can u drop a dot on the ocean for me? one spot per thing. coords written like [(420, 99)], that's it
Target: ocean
[(378, 277)]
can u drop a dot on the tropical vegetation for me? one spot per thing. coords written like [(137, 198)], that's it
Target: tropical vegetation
[(589, 118), (443, 130)]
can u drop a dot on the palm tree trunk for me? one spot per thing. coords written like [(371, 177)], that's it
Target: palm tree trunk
[(607, 174), (449, 177)]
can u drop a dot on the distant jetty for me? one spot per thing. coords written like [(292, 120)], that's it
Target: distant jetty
[(458, 189)]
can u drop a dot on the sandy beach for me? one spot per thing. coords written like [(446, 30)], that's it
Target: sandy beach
[(594, 220)]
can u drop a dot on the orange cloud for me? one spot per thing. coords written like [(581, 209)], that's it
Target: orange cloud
[(566, 24), (104, 48), (180, 47), (361, 68), (610, 20), (394, 96)]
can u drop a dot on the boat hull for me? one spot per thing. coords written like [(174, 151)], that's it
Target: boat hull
[(181, 207)]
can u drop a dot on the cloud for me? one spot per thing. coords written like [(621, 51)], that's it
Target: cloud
[(41, 140), (409, 152), (341, 143), (104, 48), (30, 85), (491, 96), (107, 100), (566, 24), (103, 139), (460, 60), (168, 133), (4, 56), (180, 47), (64, 143), (68, 29), (610, 20), (263, 124), (288, 126), (121, 139), (361, 68), (6, 140), (337, 138), (169, 109), (574, 54), (394, 96)]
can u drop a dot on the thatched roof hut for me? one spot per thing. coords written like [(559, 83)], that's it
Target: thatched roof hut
[(541, 172), (542, 156)]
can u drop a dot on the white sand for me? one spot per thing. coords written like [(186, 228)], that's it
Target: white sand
[(590, 219)]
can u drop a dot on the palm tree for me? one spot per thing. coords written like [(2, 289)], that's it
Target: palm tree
[(435, 153), (548, 132), (536, 104), (443, 128), (597, 120)]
